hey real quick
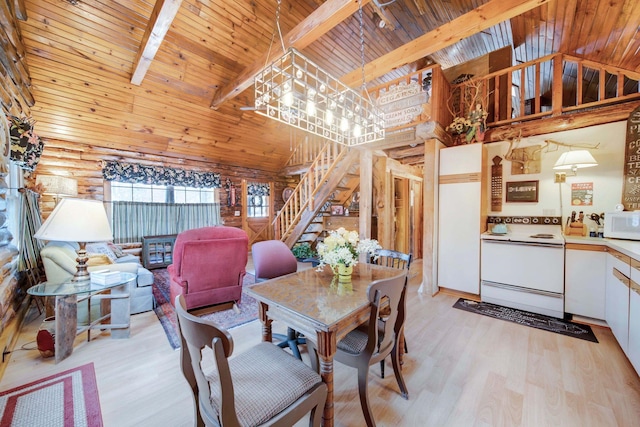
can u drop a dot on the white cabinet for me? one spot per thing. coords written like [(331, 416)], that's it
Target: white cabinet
[(585, 276), (459, 217), (617, 296), (634, 325)]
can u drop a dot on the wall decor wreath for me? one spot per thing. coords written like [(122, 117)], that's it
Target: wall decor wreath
[(26, 146)]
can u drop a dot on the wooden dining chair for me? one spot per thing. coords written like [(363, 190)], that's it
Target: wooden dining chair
[(263, 386), (273, 258), (395, 259), (372, 341)]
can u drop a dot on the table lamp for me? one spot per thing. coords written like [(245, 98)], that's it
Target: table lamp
[(77, 220)]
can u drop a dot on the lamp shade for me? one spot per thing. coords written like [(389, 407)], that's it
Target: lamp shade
[(58, 185), (575, 160), (76, 220)]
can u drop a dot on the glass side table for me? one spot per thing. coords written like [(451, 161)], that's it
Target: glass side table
[(66, 310)]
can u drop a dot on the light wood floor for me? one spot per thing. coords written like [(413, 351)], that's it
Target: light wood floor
[(462, 369)]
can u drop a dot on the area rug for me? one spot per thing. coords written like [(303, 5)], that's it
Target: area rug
[(534, 320), (227, 318), (67, 399)]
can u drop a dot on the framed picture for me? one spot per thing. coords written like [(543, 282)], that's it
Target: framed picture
[(522, 192), (337, 210)]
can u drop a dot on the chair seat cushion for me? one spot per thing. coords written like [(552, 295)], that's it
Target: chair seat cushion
[(266, 381), (354, 342)]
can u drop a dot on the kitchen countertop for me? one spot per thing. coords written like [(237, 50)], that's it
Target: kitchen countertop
[(628, 247)]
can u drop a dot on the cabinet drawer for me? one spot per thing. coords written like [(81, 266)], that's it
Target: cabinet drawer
[(635, 270)]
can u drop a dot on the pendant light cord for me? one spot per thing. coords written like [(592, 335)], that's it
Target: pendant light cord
[(362, 59), (273, 36)]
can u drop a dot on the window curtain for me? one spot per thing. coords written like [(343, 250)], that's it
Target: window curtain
[(257, 189), (133, 220), (160, 175), (30, 222)]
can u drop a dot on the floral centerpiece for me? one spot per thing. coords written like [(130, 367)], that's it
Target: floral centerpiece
[(341, 248)]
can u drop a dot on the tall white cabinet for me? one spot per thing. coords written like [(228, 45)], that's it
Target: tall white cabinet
[(460, 216)]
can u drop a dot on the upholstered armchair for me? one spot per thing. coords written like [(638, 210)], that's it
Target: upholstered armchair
[(208, 266)]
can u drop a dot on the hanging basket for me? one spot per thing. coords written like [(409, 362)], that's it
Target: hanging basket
[(26, 147)]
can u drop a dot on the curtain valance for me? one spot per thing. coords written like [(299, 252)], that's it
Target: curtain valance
[(258, 189), (160, 175)]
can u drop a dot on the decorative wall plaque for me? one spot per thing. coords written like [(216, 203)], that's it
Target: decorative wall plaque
[(631, 189)]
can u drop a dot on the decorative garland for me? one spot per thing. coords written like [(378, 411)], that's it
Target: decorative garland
[(160, 175)]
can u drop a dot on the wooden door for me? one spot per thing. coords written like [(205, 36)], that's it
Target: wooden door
[(257, 217)]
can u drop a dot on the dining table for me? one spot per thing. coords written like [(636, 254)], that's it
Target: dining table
[(315, 303)]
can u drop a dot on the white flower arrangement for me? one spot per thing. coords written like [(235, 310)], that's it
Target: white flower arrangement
[(344, 247)]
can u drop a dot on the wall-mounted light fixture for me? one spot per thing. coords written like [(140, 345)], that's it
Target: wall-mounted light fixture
[(574, 160)]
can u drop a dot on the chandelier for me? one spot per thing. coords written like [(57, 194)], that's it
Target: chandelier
[(296, 91)]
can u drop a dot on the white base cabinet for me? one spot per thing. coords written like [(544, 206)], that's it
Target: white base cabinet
[(617, 297), (585, 276), (634, 326)]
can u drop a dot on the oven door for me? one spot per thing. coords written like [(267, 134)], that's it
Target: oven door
[(528, 265)]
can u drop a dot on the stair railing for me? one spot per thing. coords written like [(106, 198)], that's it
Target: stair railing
[(303, 195)]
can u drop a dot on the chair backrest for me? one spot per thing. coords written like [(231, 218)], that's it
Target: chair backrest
[(196, 334), (272, 258), (386, 292), (217, 232), (391, 258)]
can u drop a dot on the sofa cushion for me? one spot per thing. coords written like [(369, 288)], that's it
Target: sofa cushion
[(98, 259), (102, 249)]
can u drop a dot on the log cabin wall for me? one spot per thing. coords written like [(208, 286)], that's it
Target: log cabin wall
[(15, 99), (85, 165)]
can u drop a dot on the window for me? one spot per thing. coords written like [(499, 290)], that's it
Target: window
[(151, 193), (258, 200), (258, 206)]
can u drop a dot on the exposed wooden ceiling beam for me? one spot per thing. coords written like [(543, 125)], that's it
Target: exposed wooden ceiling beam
[(160, 20), (481, 18), (314, 26)]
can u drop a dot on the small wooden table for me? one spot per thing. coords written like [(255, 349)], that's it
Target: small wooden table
[(67, 310), (315, 304)]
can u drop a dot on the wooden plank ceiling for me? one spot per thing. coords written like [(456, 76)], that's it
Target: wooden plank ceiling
[(81, 56)]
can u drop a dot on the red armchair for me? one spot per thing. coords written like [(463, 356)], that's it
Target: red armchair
[(208, 266)]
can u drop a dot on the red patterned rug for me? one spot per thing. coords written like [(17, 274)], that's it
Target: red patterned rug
[(227, 318), (67, 399)]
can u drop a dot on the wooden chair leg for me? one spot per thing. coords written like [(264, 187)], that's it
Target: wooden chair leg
[(382, 368), (363, 382), (398, 373)]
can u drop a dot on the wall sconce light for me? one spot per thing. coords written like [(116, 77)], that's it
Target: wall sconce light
[(575, 160)]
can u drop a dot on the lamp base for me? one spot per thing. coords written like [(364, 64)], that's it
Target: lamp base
[(81, 277)]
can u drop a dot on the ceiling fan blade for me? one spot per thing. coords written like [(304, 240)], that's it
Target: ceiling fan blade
[(251, 108)]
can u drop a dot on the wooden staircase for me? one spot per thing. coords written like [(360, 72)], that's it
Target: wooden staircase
[(330, 173)]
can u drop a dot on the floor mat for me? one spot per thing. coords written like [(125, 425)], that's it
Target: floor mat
[(534, 320)]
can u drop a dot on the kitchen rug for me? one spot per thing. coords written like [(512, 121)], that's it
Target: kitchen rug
[(248, 308), (69, 399), (534, 320)]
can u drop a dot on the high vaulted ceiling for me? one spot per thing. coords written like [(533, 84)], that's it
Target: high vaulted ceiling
[(81, 56)]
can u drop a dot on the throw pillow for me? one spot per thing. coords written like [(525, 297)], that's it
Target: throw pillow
[(101, 248), (116, 250), (98, 259)]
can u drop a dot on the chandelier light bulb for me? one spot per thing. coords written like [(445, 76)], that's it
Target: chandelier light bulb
[(357, 131), (328, 117), (311, 108), (287, 99), (344, 124)]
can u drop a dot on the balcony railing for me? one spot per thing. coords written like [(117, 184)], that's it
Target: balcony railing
[(550, 86)]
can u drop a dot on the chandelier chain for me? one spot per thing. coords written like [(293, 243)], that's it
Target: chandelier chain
[(362, 59)]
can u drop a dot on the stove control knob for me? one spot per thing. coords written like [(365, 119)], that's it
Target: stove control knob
[(547, 220), (555, 220), (535, 220)]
